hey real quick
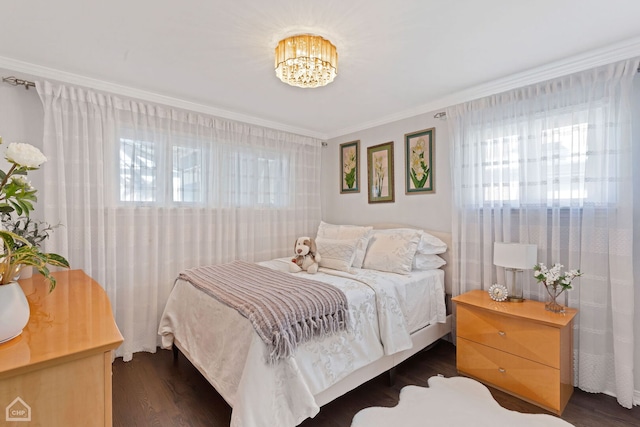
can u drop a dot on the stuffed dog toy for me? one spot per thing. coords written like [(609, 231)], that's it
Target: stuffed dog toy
[(306, 256)]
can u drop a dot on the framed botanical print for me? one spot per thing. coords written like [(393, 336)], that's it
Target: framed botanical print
[(419, 158), (350, 167), (380, 173)]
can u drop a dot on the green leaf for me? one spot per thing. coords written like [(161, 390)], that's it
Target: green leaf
[(350, 178), (26, 206), (52, 282), (57, 260), (419, 183), (17, 207)]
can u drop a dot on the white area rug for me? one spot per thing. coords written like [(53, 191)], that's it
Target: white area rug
[(456, 401)]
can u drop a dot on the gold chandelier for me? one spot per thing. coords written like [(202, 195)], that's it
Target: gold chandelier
[(306, 61)]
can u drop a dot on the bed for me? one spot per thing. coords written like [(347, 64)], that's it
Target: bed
[(391, 317)]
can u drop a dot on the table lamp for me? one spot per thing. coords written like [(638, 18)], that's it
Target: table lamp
[(515, 257)]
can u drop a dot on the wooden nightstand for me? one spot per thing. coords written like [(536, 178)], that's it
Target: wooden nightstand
[(519, 348)]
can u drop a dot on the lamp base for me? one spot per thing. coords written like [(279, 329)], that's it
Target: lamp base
[(515, 299)]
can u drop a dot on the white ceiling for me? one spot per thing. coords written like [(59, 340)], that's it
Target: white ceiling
[(396, 57)]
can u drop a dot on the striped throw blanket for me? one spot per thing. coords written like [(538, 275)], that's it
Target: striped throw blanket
[(284, 309)]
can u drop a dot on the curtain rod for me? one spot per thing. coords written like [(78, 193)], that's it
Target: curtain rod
[(14, 81)]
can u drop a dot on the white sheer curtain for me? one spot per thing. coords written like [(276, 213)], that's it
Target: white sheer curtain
[(145, 191), (551, 164)]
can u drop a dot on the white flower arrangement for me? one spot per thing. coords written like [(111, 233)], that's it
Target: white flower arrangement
[(552, 277), (17, 196)]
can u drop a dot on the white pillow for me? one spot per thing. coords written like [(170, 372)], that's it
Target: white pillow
[(431, 245), (427, 262), (347, 232), (392, 250), (336, 254)]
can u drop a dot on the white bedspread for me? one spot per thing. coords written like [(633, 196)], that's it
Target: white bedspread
[(227, 351)]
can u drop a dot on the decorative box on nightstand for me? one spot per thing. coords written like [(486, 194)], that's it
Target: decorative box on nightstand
[(521, 349)]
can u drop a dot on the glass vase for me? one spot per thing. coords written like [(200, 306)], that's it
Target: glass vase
[(554, 293)]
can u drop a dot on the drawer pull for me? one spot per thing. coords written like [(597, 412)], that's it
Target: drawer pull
[(502, 370), (502, 333)]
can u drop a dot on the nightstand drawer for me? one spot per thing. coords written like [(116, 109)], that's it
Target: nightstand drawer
[(520, 337), (530, 380)]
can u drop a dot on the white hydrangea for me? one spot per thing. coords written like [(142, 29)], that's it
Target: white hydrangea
[(25, 155)]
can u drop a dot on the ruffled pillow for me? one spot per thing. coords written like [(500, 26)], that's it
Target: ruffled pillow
[(336, 254), (347, 232)]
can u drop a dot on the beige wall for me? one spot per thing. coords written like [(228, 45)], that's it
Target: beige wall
[(21, 120), (431, 210), (21, 114)]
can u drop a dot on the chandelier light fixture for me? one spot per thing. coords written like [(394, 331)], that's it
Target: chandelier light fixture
[(306, 61)]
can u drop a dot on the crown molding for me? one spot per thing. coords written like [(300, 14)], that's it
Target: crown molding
[(607, 55), (37, 71), (612, 53)]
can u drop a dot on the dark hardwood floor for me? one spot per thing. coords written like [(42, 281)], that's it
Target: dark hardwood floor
[(151, 390)]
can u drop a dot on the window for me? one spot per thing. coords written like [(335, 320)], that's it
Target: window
[(198, 174), (549, 168), (257, 178), (138, 171), (187, 175)]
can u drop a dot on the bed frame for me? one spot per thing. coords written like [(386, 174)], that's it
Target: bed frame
[(422, 338)]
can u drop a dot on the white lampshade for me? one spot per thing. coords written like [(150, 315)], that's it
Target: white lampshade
[(517, 256)]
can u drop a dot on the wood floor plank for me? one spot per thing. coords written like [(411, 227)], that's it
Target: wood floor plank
[(152, 390)]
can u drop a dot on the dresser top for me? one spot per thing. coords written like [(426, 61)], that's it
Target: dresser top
[(73, 321), (528, 309)]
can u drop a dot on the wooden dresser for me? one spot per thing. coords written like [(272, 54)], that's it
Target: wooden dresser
[(519, 348), (58, 371)]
